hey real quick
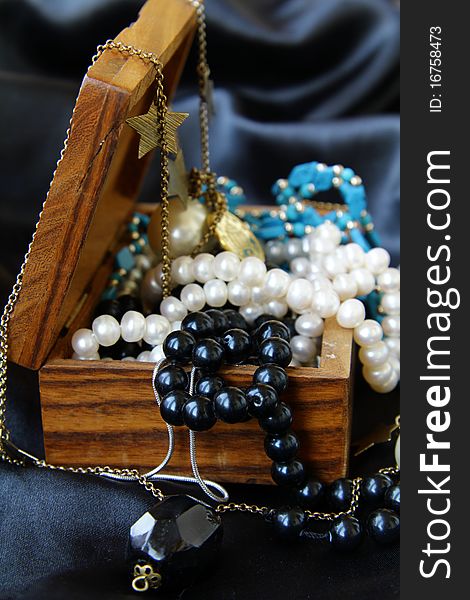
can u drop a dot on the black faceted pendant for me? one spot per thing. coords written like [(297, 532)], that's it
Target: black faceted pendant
[(176, 539)]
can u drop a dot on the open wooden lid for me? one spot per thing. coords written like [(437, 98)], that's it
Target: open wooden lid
[(98, 179)]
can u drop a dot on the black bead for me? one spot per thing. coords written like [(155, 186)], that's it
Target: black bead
[(237, 345), (221, 322), (172, 407), (311, 494), (383, 526), (392, 498), (345, 533), (170, 378), (178, 346), (263, 318), (373, 488), (291, 473), (275, 350), (235, 319), (290, 323), (198, 324), (340, 494), (278, 420), (273, 375), (198, 413), (180, 554), (209, 385), (272, 329), (208, 355), (289, 522), (262, 400), (230, 405), (123, 349), (281, 448)]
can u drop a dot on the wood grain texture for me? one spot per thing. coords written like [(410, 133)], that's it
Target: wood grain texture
[(98, 180), (105, 413)]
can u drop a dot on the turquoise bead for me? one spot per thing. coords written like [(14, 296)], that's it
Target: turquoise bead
[(302, 174), (125, 259), (307, 190), (347, 174), (311, 217), (292, 213), (374, 238), (358, 238), (298, 229)]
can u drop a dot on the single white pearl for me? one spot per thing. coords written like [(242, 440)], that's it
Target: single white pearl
[(393, 345), (193, 297), (182, 270), (94, 356), (334, 265), (351, 313), (144, 356), (345, 286), (132, 326), (365, 281), (151, 290), (391, 325), (389, 280), (368, 333), (300, 266), (276, 308), (397, 451), (355, 256), (320, 282), (156, 354), (293, 249), (375, 355), (394, 361), (259, 294), (326, 303), (176, 326), (252, 271), (391, 303), (106, 329), (250, 312), (277, 283), (299, 295), (85, 343), (386, 386), (309, 324), (377, 260), (173, 309), (379, 374), (304, 349), (157, 328), (275, 252), (216, 293), (226, 266), (203, 267), (330, 231), (321, 245), (238, 293)]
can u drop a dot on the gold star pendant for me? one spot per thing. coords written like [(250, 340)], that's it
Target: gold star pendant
[(147, 127)]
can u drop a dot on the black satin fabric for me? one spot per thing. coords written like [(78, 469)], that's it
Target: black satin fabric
[(296, 80)]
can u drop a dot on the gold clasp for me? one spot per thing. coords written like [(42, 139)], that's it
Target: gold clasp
[(145, 578)]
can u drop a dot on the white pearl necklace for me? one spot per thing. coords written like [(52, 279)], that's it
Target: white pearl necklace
[(324, 285)]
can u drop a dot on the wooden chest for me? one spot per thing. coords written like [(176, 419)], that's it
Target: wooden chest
[(104, 412)]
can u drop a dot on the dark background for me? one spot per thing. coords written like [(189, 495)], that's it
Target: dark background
[(296, 80)]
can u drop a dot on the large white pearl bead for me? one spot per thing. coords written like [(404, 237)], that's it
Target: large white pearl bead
[(293, 249), (375, 355), (132, 326), (325, 302), (106, 329), (345, 286), (275, 252), (304, 349), (203, 267), (368, 333), (329, 231), (250, 312), (386, 386), (276, 308), (300, 266), (334, 265), (299, 295), (216, 293), (277, 283), (252, 271), (226, 266), (156, 354), (391, 325), (157, 328), (391, 303), (259, 294), (377, 260), (321, 245), (320, 282), (193, 297), (351, 313), (182, 270), (389, 280), (379, 374), (309, 324), (355, 256), (393, 345), (365, 281), (238, 293), (85, 343), (173, 309)]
